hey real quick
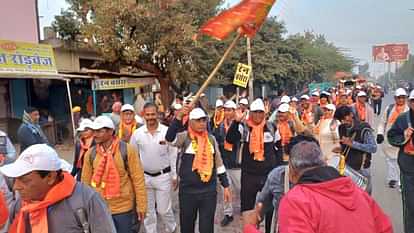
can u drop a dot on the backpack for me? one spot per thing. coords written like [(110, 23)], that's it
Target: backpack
[(123, 147)]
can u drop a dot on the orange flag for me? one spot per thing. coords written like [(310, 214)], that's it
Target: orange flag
[(247, 17)]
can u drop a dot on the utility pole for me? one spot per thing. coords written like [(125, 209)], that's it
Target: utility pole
[(249, 62)]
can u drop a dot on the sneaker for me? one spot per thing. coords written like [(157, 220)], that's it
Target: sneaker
[(226, 220), (392, 184)]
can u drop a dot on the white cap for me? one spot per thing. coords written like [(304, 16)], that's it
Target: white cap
[(295, 99), (306, 97), (230, 104), (244, 101), (103, 122), (178, 106), (127, 107), (219, 103), (411, 95), (188, 99), (85, 123), (315, 93), (326, 93), (197, 113), (400, 92), (330, 107), (283, 107), (285, 99), (362, 94), (257, 105), (38, 157)]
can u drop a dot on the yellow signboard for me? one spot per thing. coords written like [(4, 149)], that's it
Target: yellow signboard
[(120, 83), (241, 78), (26, 58)]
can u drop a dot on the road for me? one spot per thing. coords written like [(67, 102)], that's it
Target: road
[(388, 199)]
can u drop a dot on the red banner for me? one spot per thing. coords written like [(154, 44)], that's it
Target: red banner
[(390, 53), (247, 17)]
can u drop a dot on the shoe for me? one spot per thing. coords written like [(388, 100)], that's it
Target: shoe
[(392, 184), (226, 220)]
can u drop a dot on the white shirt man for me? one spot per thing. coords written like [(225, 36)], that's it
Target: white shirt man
[(159, 162)]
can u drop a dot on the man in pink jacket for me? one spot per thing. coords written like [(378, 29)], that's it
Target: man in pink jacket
[(322, 201)]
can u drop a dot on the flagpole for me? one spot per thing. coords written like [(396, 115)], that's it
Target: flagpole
[(215, 70), (249, 62)]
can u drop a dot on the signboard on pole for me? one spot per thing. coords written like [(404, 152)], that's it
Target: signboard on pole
[(26, 58), (120, 83), (390, 53), (242, 75)]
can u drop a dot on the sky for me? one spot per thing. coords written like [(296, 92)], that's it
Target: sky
[(353, 25)]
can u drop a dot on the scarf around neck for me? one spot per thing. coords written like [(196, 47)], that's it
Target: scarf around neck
[(106, 175), (203, 161), (256, 142), (37, 211)]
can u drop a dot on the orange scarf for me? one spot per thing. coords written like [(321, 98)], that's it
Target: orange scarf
[(84, 146), (38, 211), (361, 111), (4, 210), (227, 146), (397, 111), (285, 132), (218, 117), (256, 142), (203, 158), (126, 130), (350, 100), (106, 175)]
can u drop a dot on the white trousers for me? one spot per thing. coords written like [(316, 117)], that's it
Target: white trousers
[(393, 171), (159, 202), (234, 176)]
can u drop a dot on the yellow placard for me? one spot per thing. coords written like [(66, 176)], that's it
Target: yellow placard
[(242, 75), (26, 58), (120, 83)]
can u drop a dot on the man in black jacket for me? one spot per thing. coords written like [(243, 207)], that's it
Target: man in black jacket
[(199, 165), (229, 154), (358, 139), (258, 153), (29, 132)]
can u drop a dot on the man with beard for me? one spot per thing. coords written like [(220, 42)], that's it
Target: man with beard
[(359, 138), (159, 163)]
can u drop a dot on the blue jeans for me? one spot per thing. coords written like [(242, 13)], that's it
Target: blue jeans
[(126, 222), (407, 184)]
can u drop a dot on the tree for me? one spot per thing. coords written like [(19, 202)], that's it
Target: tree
[(157, 36)]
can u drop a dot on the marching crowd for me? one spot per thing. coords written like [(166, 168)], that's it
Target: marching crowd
[(299, 163)]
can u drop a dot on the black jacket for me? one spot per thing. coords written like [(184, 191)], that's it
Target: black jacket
[(249, 165)]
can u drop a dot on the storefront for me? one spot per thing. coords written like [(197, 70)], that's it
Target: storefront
[(28, 77), (96, 90)]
